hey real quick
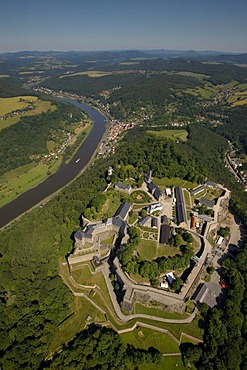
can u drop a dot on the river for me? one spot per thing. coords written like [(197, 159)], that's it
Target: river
[(65, 174)]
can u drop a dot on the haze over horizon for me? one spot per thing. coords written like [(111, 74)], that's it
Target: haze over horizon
[(109, 25)]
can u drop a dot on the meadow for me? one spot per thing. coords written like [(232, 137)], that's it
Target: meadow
[(8, 105), (171, 134)]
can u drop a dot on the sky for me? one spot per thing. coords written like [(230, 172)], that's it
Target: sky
[(123, 24)]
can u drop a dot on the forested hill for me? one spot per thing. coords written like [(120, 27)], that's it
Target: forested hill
[(235, 127), (27, 140), (9, 88)]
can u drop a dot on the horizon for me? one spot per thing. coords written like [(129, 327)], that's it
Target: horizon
[(122, 50), (60, 25)]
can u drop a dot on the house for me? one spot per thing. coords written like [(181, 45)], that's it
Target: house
[(197, 190), (124, 188), (180, 206), (155, 190), (123, 211), (154, 223), (154, 207), (164, 219), (146, 221), (165, 233), (211, 184), (207, 202)]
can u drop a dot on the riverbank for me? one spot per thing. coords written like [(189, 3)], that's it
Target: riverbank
[(65, 174)]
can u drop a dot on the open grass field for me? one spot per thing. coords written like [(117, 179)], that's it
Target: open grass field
[(85, 277), (171, 134), (8, 105), (11, 105), (145, 338), (199, 76), (187, 198), (95, 74), (75, 323), (166, 250), (17, 181), (204, 92), (174, 181), (147, 249)]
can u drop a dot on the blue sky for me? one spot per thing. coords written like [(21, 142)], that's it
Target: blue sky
[(123, 24)]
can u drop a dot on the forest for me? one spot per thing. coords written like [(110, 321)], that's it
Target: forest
[(27, 140), (34, 300)]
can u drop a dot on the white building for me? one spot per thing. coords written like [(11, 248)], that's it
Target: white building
[(154, 207)]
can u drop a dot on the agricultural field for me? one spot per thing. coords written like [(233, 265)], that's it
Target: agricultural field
[(171, 134), (17, 181), (8, 105), (204, 92)]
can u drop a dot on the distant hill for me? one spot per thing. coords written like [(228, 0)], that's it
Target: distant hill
[(9, 88)]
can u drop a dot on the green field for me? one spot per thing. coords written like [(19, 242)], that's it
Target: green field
[(171, 134), (12, 104), (174, 181), (147, 249), (8, 105), (84, 276), (204, 92), (145, 338), (16, 182), (187, 198)]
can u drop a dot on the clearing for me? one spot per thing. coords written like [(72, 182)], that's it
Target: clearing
[(171, 134)]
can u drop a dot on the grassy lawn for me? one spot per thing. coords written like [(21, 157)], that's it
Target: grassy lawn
[(145, 338), (167, 250), (187, 198), (139, 308), (85, 277), (174, 181), (171, 134), (75, 323), (50, 145), (147, 249), (8, 106), (15, 182), (133, 218)]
